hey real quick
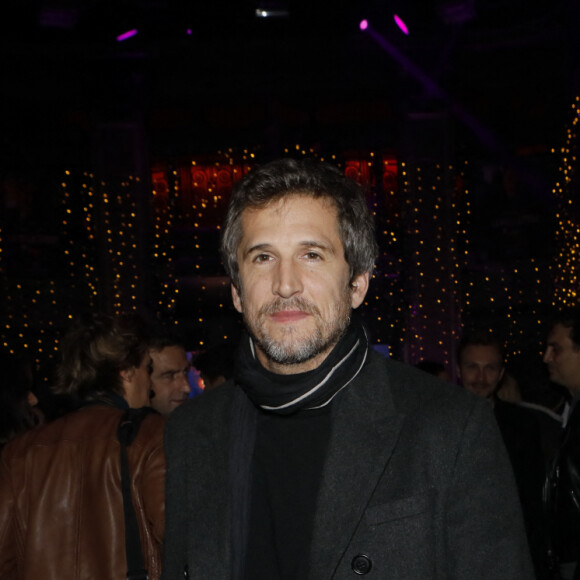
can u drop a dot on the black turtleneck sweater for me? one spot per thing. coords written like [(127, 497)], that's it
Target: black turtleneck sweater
[(286, 470)]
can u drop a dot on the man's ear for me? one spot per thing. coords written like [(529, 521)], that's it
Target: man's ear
[(359, 286), (127, 374), (236, 298)]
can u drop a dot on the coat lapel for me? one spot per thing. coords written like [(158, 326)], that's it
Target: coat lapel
[(209, 541), (364, 434)]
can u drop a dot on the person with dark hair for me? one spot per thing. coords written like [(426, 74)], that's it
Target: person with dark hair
[(562, 488), (82, 496), (562, 353), (17, 400), (215, 365), (321, 458), (170, 374)]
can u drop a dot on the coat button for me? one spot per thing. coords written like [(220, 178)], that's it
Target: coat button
[(361, 564)]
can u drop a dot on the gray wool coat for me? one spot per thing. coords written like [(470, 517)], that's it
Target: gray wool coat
[(416, 486)]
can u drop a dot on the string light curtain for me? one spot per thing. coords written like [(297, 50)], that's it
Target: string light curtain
[(566, 268)]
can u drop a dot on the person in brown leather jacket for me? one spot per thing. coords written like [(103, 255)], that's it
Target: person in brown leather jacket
[(61, 504)]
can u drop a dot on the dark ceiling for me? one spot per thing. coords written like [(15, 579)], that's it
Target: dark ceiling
[(200, 76)]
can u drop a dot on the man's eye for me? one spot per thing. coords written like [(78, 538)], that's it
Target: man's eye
[(262, 258), (313, 256)]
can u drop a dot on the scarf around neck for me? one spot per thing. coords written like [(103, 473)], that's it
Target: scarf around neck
[(286, 394)]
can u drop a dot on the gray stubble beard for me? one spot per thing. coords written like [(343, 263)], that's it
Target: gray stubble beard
[(287, 353)]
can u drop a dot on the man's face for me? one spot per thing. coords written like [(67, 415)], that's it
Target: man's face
[(294, 282), (481, 369), (169, 378), (563, 358)]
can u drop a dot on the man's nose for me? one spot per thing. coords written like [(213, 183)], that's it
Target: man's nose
[(287, 280), (184, 383), (548, 355)]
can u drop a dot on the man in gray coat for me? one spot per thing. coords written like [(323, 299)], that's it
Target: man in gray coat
[(321, 459)]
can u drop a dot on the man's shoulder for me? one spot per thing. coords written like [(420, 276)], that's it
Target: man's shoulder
[(409, 385), (153, 426), (207, 405), (402, 389), (82, 427)]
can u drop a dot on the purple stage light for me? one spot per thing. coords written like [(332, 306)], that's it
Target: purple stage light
[(127, 34), (189, 32), (400, 23), (364, 24)]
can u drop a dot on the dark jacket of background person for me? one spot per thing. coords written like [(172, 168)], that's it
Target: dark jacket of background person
[(521, 435), (562, 495), (416, 484), (54, 471)]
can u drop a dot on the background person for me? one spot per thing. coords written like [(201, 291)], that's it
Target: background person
[(61, 504), (481, 369), (562, 356), (169, 375)]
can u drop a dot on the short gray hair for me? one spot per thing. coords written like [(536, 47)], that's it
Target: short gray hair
[(285, 177)]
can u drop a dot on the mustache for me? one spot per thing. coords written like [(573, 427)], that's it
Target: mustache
[(296, 303)]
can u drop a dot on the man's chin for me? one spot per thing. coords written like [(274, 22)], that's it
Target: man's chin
[(289, 350), (174, 404), (287, 336), (288, 327), (289, 356)]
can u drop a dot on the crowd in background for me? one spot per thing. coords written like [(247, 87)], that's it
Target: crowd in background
[(85, 481)]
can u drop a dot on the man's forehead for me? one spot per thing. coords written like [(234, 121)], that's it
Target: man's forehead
[(282, 204), (482, 352), (307, 208), (169, 353), (560, 333)]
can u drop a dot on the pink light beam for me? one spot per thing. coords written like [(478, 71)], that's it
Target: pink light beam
[(401, 24), (127, 35)]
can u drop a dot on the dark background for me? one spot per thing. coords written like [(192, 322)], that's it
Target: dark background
[(490, 82), (311, 76)]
